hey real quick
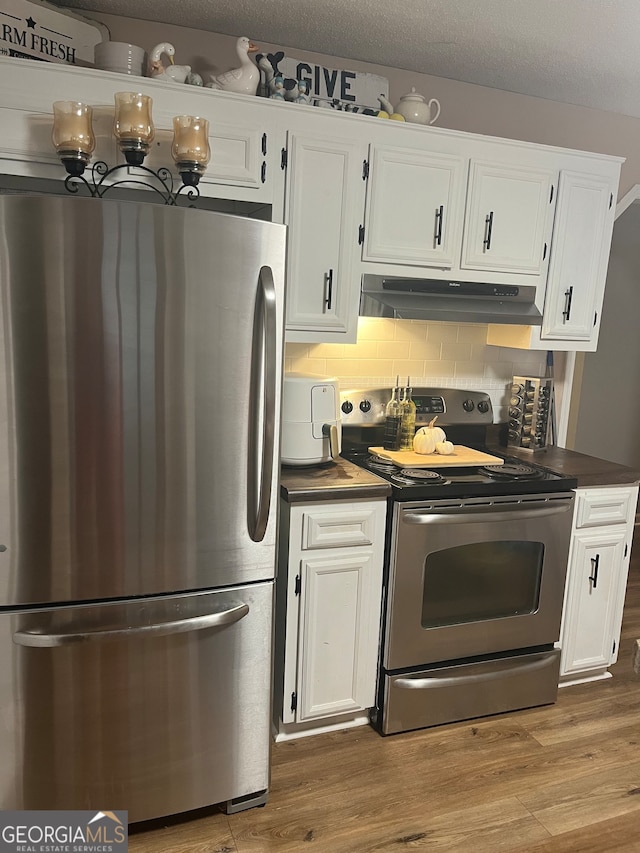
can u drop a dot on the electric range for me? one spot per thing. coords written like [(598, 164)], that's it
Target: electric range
[(466, 417), (474, 570)]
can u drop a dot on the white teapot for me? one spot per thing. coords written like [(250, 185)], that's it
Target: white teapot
[(415, 109)]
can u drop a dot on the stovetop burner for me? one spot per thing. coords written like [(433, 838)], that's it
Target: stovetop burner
[(378, 463), (512, 471), (407, 476)]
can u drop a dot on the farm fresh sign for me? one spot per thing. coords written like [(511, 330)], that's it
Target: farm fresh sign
[(37, 31), (329, 84)]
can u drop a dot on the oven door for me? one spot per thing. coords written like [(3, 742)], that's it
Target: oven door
[(475, 577)]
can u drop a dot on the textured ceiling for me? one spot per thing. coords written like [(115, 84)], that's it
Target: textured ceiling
[(576, 51)]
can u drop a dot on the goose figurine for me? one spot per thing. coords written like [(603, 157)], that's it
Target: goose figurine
[(176, 73), (243, 80), (269, 75)]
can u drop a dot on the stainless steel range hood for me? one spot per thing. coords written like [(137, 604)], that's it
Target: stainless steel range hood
[(454, 301)]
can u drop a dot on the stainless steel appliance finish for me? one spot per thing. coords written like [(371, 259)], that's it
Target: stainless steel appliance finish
[(141, 352), (454, 301), (468, 579), (475, 569), (438, 695), (154, 704)]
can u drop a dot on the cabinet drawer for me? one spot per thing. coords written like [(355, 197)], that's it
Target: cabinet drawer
[(334, 529), (605, 506)]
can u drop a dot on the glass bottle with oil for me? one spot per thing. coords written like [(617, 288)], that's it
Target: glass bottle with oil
[(407, 418), (393, 419)]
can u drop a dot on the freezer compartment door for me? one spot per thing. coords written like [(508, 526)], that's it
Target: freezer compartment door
[(156, 706)]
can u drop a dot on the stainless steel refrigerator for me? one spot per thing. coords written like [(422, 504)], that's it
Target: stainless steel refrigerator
[(140, 365)]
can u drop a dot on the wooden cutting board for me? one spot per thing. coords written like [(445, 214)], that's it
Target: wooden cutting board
[(462, 457)]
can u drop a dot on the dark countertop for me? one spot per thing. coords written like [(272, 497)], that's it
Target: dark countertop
[(334, 481), (343, 480), (589, 470)]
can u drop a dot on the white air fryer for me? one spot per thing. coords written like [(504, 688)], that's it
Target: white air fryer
[(311, 426)]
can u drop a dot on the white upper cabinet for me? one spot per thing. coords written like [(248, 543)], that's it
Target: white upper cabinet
[(324, 198), (509, 218), (243, 132), (360, 195), (414, 208), (579, 256)]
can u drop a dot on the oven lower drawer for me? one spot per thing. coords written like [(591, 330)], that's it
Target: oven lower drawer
[(445, 694)]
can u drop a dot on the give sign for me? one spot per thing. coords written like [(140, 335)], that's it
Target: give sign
[(328, 84)]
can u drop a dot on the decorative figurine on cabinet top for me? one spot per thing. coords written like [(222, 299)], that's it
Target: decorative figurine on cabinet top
[(276, 86), (412, 107), (157, 69), (303, 92), (243, 80)]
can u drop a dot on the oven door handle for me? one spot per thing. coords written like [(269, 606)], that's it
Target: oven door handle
[(499, 669), (460, 515)]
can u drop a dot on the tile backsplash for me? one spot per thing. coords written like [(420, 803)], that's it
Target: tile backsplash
[(432, 354)]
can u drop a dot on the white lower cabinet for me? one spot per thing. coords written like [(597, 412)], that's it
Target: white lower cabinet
[(596, 581), (328, 602)]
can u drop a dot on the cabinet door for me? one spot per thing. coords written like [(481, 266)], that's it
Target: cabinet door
[(338, 641), (238, 156), (323, 209), (595, 573), (414, 207), (509, 216), (579, 257)]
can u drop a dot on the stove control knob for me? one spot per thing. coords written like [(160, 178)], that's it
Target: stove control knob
[(347, 407), (468, 405), (365, 406), (483, 406)]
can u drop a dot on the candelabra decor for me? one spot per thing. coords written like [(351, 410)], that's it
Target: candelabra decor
[(190, 148), (133, 129), (73, 135)]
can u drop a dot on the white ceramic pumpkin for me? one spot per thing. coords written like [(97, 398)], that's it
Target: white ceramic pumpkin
[(427, 438), (444, 448), (423, 441)]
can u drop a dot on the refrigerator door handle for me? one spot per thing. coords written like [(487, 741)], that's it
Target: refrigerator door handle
[(36, 639), (262, 406)]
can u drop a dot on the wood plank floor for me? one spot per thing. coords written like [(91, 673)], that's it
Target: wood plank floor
[(556, 779)]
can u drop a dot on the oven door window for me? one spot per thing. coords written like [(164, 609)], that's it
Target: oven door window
[(482, 580)]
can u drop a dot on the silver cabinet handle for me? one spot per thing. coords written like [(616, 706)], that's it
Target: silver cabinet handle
[(460, 515), (498, 670), (37, 639), (262, 407)]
